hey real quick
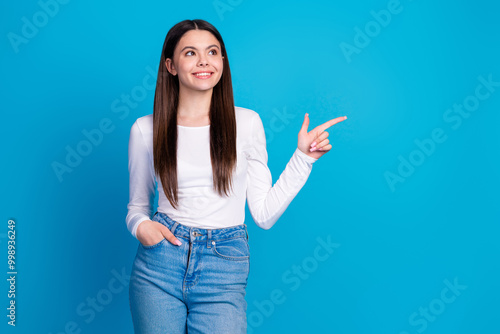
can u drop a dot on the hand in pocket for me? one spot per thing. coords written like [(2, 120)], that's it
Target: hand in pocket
[(151, 232)]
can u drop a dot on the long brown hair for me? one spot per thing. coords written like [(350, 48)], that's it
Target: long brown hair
[(221, 114)]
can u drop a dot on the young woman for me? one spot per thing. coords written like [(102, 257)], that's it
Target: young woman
[(205, 157)]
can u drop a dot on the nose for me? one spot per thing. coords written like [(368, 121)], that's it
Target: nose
[(203, 62)]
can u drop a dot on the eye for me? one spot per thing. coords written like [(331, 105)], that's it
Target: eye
[(213, 50)]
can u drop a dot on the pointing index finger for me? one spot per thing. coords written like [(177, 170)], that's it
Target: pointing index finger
[(331, 122)]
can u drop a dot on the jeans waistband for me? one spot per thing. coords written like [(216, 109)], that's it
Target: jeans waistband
[(196, 234)]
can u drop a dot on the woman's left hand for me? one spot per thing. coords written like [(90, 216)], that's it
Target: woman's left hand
[(316, 139)]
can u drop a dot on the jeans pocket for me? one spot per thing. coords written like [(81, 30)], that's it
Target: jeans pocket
[(158, 243), (153, 246), (235, 249)]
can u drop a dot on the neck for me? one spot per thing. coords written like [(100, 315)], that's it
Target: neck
[(194, 104)]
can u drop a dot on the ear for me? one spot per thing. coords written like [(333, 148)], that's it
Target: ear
[(170, 66)]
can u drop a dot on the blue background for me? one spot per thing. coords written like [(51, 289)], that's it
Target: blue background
[(396, 246)]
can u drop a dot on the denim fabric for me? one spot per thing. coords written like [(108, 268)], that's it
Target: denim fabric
[(198, 287)]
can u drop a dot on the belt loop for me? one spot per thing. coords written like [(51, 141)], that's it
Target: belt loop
[(174, 227), (246, 231), (209, 239)]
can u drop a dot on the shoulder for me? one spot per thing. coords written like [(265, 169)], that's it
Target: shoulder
[(144, 125), (250, 128), (245, 113), (245, 116)]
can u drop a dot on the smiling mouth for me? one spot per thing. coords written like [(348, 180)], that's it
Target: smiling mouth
[(203, 75)]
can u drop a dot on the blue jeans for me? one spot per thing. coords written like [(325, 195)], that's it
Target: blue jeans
[(198, 287)]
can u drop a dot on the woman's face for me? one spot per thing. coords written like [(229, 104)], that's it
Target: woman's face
[(197, 61)]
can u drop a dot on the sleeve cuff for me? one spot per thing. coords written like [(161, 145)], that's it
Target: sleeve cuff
[(134, 231), (305, 157)]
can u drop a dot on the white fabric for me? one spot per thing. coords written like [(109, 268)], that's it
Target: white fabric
[(199, 205)]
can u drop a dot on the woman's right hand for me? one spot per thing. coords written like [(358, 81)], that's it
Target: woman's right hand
[(151, 232)]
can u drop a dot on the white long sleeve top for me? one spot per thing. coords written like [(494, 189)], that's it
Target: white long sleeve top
[(199, 205)]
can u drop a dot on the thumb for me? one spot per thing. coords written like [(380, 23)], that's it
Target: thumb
[(305, 124), (170, 236)]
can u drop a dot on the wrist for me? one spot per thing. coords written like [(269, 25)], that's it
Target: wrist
[(140, 228), (306, 156)]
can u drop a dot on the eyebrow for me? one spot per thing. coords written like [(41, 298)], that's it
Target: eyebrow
[(192, 47)]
